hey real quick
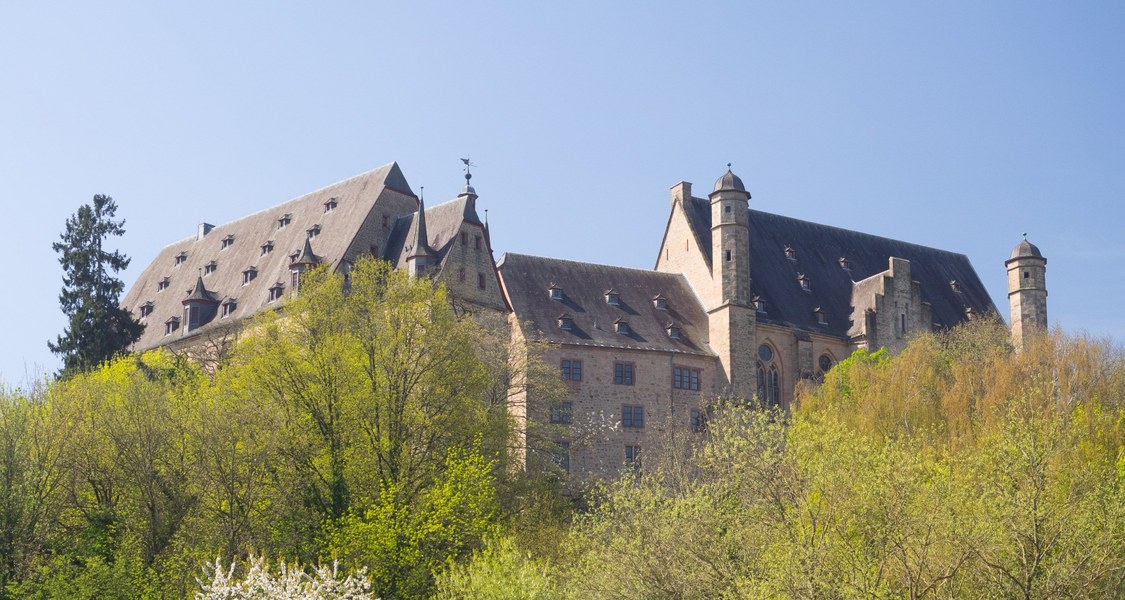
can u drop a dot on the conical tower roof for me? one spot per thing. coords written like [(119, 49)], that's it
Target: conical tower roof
[(201, 293)]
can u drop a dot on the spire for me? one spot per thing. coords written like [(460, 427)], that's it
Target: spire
[(307, 257), (421, 239), (200, 293), (468, 189), (487, 237)]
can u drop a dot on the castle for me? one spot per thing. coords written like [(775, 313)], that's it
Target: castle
[(741, 302)]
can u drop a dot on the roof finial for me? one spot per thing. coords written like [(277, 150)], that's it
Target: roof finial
[(421, 192), (486, 216), (1025, 235), (468, 173), (728, 166)]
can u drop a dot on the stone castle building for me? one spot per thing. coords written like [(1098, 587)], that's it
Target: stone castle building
[(741, 302)]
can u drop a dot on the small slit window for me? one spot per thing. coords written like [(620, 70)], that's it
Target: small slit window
[(728, 256), (480, 281)]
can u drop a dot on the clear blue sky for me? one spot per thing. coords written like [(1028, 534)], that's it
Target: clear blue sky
[(958, 125)]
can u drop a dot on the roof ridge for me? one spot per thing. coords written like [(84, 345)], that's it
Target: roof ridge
[(581, 262)]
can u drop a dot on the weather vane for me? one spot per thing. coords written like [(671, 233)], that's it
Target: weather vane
[(468, 165)]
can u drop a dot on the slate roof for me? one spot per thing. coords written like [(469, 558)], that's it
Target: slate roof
[(1025, 249), (442, 224), (355, 199), (819, 249), (527, 279)]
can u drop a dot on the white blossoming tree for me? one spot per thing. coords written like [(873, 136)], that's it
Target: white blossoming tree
[(291, 582)]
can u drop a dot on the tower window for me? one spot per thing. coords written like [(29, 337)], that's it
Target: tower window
[(480, 280), (726, 208), (1026, 274), (728, 255), (461, 274), (902, 321), (476, 242), (464, 238)]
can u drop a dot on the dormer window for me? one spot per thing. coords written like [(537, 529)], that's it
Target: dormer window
[(555, 292), (229, 307), (566, 323), (621, 327), (313, 231), (210, 267), (181, 258), (955, 286), (171, 326), (969, 313), (227, 242), (673, 331), (294, 255), (612, 298), (821, 316), (330, 205), (163, 284), (275, 292), (759, 304), (248, 275), (790, 253), (284, 221), (146, 309), (845, 264), (806, 285), (660, 303), (267, 247)]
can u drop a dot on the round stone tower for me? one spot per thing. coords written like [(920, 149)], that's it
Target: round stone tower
[(732, 321), (1027, 292)]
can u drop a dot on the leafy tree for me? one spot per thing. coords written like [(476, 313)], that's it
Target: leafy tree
[(98, 328)]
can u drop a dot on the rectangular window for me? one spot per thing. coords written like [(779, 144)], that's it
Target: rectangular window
[(698, 421), (633, 458), (562, 413), (480, 280), (571, 369), (275, 293), (562, 459), (632, 416), (464, 238), (476, 242), (684, 378), (623, 373)]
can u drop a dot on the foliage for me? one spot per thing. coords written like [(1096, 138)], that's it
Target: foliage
[(501, 571), (98, 328), (291, 582)]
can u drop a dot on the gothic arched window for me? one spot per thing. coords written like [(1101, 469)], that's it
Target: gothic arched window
[(773, 387)]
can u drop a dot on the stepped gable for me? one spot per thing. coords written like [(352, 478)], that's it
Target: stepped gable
[(527, 280), (818, 250), (339, 237), (443, 222)]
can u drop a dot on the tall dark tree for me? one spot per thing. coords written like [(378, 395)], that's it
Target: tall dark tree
[(98, 327)]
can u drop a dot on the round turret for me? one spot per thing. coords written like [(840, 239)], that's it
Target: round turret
[(729, 182), (1025, 249)]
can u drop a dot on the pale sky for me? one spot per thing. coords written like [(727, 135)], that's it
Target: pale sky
[(958, 125)]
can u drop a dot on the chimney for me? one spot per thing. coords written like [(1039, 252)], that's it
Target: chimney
[(681, 191), (204, 229)]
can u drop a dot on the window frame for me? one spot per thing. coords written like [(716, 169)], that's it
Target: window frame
[(624, 373), (571, 369), (632, 416)]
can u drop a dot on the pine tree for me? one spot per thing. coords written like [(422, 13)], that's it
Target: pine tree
[(98, 327)]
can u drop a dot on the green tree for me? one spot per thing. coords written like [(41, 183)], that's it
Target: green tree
[(98, 328)]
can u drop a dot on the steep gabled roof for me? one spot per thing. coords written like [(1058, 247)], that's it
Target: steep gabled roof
[(339, 228), (818, 250), (442, 223), (527, 280)]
